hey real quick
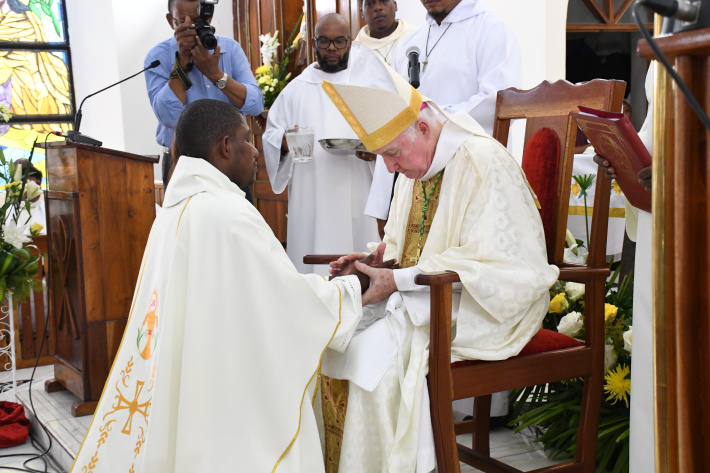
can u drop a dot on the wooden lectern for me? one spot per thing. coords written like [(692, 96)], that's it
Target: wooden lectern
[(100, 208), (681, 265)]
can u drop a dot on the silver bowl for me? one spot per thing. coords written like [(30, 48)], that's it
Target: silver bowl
[(342, 145)]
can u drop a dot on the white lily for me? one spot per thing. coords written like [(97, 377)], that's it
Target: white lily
[(14, 233), (32, 190)]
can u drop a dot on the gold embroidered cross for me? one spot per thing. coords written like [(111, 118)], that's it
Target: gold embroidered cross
[(133, 407)]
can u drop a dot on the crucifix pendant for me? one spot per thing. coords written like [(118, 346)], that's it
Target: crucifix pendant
[(426, 61)]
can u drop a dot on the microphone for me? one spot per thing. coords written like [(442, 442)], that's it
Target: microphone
[(413, 56), (75, 135), (679, 9)]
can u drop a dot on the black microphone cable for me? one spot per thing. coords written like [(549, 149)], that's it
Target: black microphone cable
[(692, 101), (43, 452)]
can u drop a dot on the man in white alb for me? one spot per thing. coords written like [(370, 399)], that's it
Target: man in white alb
[(486, 59), (639, 229), (461, 203), (221, 351), (383, 32), (467, 55), (327, 196)]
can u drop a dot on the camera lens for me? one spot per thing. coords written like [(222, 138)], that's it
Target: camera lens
[(206, 34)]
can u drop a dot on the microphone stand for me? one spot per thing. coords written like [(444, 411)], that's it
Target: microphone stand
[(75, 135)]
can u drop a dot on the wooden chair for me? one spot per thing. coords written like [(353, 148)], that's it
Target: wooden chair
[(546, 106)]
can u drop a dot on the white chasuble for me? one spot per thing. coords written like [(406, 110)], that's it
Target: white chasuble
[(219, 359), (487, 229), (327, 196)]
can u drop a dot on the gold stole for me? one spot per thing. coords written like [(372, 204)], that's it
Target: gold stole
[(413, 241)]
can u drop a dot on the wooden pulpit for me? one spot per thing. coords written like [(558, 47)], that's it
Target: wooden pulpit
[(100, 208), (681, 266)]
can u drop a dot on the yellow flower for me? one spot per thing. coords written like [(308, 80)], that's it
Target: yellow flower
[(616, 187), (296, 40), (559, 304), (610, 312), (35, 228), (618, 386), (262, 69)]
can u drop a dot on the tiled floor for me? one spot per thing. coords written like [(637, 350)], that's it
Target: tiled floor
[(54, 410)]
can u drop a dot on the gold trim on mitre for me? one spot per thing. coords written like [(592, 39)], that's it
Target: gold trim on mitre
[(367, 109)]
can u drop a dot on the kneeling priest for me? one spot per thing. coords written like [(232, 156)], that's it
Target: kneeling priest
[(219, 360)]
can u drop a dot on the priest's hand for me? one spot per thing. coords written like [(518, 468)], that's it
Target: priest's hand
[(381, 283), (606, 166), (645, 177), (345, 264), (365, 156)]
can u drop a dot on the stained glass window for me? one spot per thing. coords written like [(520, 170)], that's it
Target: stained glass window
[(35, 75)]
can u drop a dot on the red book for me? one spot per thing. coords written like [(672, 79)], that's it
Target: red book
[(613, 137)]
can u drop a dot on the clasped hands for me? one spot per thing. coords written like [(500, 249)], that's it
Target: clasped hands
[(376, 277), (190, 48)]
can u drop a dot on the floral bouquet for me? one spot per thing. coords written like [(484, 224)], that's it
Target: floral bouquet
[(553, 409), (17, 263), (272, 76)]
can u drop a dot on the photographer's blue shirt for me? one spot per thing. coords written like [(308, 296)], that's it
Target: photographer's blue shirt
[(167, 107)]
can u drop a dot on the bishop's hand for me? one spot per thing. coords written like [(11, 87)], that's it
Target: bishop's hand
[(345, 265)]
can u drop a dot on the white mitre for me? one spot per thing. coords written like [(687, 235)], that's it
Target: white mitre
[(377, 115)]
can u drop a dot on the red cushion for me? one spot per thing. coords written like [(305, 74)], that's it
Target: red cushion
[(541, 161), (14, 426), (543, 341)]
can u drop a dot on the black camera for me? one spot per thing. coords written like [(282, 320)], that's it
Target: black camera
[(203, 28)]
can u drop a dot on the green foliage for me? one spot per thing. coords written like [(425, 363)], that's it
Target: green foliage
[(17, 265), (552, 410)]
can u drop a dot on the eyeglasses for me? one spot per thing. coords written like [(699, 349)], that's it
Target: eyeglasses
[(324, 43)]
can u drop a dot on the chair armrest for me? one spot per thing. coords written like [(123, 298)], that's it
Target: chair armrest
[(582, 274), (437, 279), (320, 259)]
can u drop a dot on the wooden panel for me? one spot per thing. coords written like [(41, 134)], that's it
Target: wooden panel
[(681, 233), (69, 377), (97, 238), (106, 339), (65, 276), (272, 207)]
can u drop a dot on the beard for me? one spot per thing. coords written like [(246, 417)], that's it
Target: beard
[(341, 65)]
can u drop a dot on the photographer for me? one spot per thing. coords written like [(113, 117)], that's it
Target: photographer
[(190, 71)]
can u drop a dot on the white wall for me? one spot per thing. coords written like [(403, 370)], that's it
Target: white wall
[(109, 41)]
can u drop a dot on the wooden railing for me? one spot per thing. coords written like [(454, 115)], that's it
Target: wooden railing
[(30, 319)]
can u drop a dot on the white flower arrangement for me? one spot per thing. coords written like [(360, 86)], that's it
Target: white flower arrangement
[(610, 356), (269, 48), (571, 324), (627, 339), (574, 291)]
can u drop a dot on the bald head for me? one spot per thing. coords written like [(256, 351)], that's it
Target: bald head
[(334, 23)]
